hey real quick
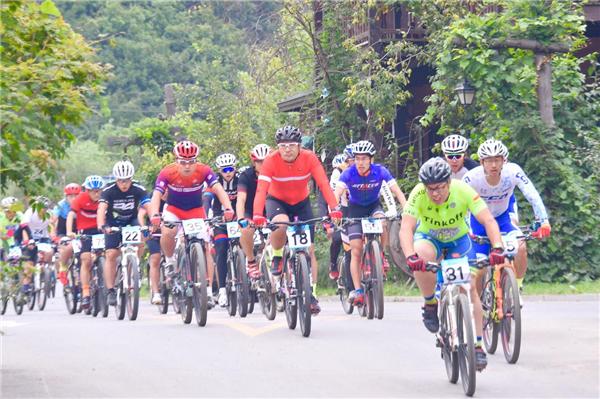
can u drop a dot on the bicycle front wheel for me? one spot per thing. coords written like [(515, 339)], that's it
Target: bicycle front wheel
[(343, 287), (304, 294), (466, 344), (121, 296), (510, 325), (243, 285), (163, 308), (133, 292), (377, 279), (70, 291), (200, 288), (488, 303), (290, 303), (266, 296), (42, 293)]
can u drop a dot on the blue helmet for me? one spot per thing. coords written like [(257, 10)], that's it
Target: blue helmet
[(93, 182), (349, 151)]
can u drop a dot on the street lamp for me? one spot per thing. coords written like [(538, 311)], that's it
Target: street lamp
[(465, 92)]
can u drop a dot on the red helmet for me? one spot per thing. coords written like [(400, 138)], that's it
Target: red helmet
[(72, 189), (186, 150)]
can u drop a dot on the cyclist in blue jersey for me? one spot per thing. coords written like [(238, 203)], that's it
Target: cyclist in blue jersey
[(58, 228), (363, 181)]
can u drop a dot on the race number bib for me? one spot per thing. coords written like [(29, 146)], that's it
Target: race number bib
[(298, 237), (14, 253), (76, 246), (44, 247), (373, 226), (511, 245), (98, 241), (233, 230), (456, 271), (195, 227), (131, 235)]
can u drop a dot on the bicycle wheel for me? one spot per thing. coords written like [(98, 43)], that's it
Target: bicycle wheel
[(290, 304), (491, 328), (42, 292), (343, 290), (304, 294), (3, 304), (95, 300), (377, 279), (33, 293), (19, 301), (101, 293), (163, 308), (231, 286), (121, 297), (70, 291), (243, 285), (366, 279), (510, 325), (133, 293), (266, 296), (186, 306), (466, 344), (200, 288), (450, 357)]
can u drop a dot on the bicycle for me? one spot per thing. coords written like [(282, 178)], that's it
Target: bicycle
[(345, 284), (98, 304), (295, 281), (264, 286), (501, 301), (72, 291), (41, 278), (456, 334), (371, 266), (11, 282), (190, 285)]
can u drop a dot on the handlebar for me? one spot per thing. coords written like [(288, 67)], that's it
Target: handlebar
[(479, 263)]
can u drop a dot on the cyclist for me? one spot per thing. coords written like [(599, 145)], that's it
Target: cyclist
[(83, 209), (246, 192), (228, 178), (455, 148), (434, 225), (363, 181), (119, 207), (10, 221), (182, 181), (284, 176), (339, 165), (495, 181), (58, 227)]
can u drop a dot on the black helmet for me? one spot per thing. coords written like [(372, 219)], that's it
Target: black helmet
[(288, 133), (435, 170)]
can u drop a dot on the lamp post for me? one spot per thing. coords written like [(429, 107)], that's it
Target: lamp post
[(465, 92)]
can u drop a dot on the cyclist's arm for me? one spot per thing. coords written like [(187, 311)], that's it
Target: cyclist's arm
[(492, 230), (531, 194), (393, 185), (207, 200), (141, 215), (318, 173), (70, 217), (240, 206), (155, 202), (101, 214), (262, 186), (340, 188), (407, 232), (219, 191), (53, 225)]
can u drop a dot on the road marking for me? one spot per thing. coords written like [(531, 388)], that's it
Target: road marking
[(248, 330)]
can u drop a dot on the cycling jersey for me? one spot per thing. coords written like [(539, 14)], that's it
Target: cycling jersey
[(468, 164), (123, 206), (8, 228), (184, 192), (62, 209), (37, 225), (86, 210), (213, 202), (364, 190), (247, 184), (498, 197), (445, 222), (288, 181)]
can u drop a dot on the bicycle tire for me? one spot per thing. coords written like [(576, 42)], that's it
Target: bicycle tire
[(491, 328), (3, 304), (252, 298), (450, 357), (243, 290), (304, 294), (133, 293), (69, 292), (343, 290), (120, 308), (366, 276), (377, 279), (102, 294), (163, 308), (18, 302), (200, 287), (511, 339), (32, 295), (186, 306), (466, 345), (267, 298), (230, 283), (95, 299), (43, 291), (290, 306)]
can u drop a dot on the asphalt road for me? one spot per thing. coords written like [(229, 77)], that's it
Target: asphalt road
[(53, 354)]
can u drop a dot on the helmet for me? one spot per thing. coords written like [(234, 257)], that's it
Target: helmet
[(492, 148), (186, 150), (8, 202), (44, 201), (363, 147), (226, 159), (338, 160), (435, 170), (288, 133), (455, 144), (349, 151), (93, 182), (72, 189), (260, 152), (123, 170)]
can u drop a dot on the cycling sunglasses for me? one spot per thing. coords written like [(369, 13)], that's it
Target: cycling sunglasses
[(227, 169), (186, 161), (454, 156)]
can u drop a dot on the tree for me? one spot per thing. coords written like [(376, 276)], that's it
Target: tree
[(47, 75)]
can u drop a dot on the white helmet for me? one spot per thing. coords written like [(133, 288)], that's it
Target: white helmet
[(363, 147), (492, 148), (338, 160), (225, 160), (8, 202), (123, 170), (455, 144), (260, 152)]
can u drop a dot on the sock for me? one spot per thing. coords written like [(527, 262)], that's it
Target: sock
[(314, 289), (430, 300), (520, 282), (86, 289), (170, 259), (478, 343), (62, 268), (278, 252)]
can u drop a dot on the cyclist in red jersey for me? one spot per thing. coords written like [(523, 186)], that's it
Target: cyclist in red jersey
[(283, 190), (183, 181)]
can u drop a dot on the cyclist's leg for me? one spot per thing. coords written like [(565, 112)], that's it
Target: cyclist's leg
[(277, 211), (30, 257), (334, 250), (154, 248), (221, 245), (428, 249), (112, 242)]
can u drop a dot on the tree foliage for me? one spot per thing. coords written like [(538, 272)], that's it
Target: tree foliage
[(47, 75)]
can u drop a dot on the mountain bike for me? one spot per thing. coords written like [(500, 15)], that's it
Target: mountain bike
[(265, 286), (98, 304), (42, 277), (72, 291), (11, 287)]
